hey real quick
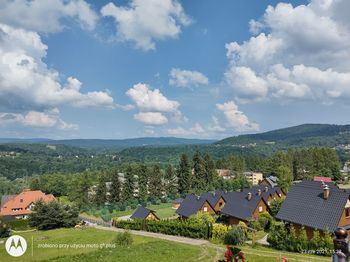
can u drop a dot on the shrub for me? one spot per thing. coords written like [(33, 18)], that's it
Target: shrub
[(202, 218), (219, 231), (170, 227), (275, 206), (277, 236), (255, 225), (4, 229), (236, 236), (18, 224), (265, 221), (124, 239)]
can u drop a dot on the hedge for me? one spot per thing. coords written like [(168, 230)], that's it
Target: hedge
[(169, 227)]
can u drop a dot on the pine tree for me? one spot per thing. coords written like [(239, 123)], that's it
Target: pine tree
[(209, 167), (155, 182), (115, 187), (128, 185), (170, 181), (142, 174), (198, 181), (81, 192), (101, 191), (184, 175)]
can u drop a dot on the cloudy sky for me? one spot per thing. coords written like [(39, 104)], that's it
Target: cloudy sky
[(199, 68)]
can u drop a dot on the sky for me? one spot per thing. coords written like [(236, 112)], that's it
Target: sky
[(196, 69)]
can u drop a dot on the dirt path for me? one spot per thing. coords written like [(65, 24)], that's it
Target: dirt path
[(185, 240)]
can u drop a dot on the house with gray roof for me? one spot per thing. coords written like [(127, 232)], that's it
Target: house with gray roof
[(144, 213), (316, 205)]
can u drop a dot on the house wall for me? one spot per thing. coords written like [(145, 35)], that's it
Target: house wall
[(151, 216), (344, 221), (256, 212), (219, 205), (210, 210), (234, 221)]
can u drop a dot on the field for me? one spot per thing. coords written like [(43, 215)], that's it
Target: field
[(143, 249)]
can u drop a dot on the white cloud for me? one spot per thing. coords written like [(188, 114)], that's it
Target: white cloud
[(147, 99), (197, 129), (144, 22), (46, 15), (235, 118), (151, 118), (298, 52), (48, 119), (215, 126), (186, 78), (26, 83)]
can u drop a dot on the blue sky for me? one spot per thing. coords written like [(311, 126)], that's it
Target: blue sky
[(200, 68)]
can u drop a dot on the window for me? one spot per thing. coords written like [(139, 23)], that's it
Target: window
[(220, 204), (347, 212), (21, 200), (260, 209), (268, 202), (205, 209)]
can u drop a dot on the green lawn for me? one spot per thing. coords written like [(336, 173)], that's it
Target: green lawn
[(143, 249), (163, 210)]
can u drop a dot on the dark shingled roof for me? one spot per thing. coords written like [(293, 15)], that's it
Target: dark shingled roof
[(141, 213), (305, 205), (237, 205), (213, 197), (177, 201), (264, 194), (190, 205)]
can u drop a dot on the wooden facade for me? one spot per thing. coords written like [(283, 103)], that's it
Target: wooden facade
[(219, 205), (207, 208), (152, 216)]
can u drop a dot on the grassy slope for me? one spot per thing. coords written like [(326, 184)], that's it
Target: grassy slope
[(163, 210), (143, 249)]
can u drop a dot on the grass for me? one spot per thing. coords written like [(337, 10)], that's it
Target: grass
[(163, 210), (143, 249)]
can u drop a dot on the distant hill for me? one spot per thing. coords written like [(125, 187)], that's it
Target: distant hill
[(302, 135), (113, 144)]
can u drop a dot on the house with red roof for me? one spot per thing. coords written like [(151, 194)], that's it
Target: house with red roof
[(21, 205)]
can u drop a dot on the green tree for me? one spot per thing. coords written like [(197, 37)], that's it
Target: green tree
[(101, 191), (170, 181), (198, 183), (209, 169), (128, 185), (285, 177), (155, 182), (79, 190), (115, 189), (184, 175), (275, 206), (142, 173)]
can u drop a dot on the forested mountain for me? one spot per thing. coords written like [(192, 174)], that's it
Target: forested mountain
[(112, 144), (302, 135)]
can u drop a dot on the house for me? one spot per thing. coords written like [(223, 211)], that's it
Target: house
[(20, 206), (193, 204), (144, 213), (266, 192), (253, 177), (177, 202), (270, 181), (323, 178), (316, 205), (215, 199), (224, 173), (243, 206)]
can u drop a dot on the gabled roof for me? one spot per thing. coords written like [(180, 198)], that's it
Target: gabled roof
[(191, 205), (264, 194), (141, 213), (272, 181), (22, 201), (6, 198), (238, 205), (213, 197), (177, 201), (305, 205)]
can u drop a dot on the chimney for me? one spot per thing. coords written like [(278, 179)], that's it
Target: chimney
[(325, 192), (249, 196), (259, 192), (266, 189)]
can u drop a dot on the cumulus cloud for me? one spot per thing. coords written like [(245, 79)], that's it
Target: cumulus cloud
[(147, 99), (197, 129), (297, 52), (151, 118), (215, 126), (186, 78), (144, 22), (27, 83), (46, 16), (235, 118), (48, 119)]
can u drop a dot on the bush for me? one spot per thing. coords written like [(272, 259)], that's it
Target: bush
[(18, 224), (219, 231), (265, 221), (255, 225), (278, 235), (4, 229), (236, 236), (170, 227), (202, 218), (275, 206), (124, 239)]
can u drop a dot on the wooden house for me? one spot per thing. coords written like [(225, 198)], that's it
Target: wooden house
[(144, 213)]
